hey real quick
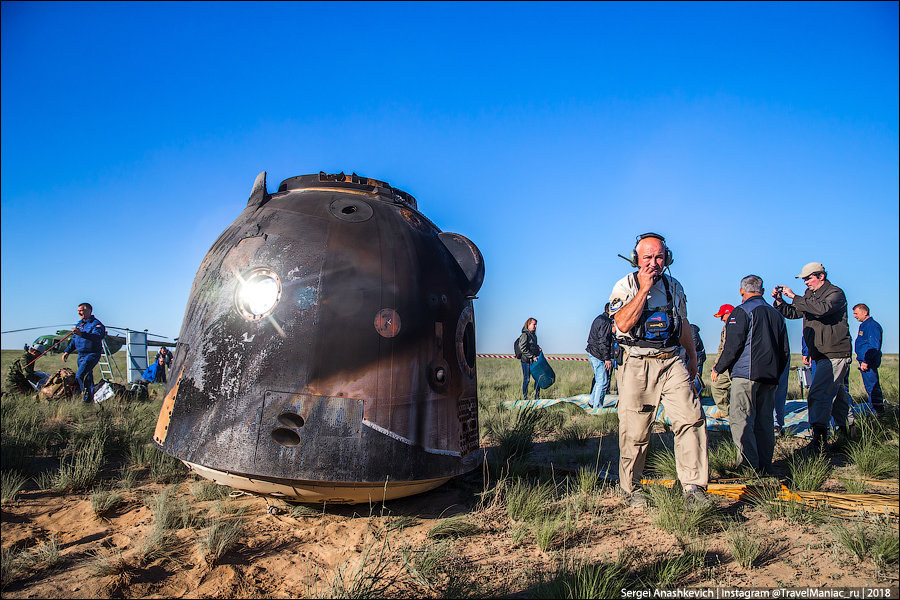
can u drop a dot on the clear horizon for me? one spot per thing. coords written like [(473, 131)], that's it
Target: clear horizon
[(755, 137)]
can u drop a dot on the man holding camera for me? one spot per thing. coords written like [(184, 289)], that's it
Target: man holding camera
[(650, 313), (823, 308)]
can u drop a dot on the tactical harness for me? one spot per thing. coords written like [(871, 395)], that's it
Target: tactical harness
[(658, 327)]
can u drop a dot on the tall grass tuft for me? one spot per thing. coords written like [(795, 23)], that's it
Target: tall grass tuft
[(79, 471), (9, 566), (672, 514), (43, 557), (873, 458), (853, 485), (853, 540), (661, 461), (426, 564), (582, 579), (809, 472), (606, 423), (548, 528), (747, 549), (302, 510), (882, 546), (371, 576), (108, 564), (577, 433), (724, 458), (516, 441), (208, 490), (768, 501), (401, 522), (587, 480), (159, 543), (170, 511), (453, 527), (875, 454), (436, 567), (672, 570), (103, 501), (165, 469), (525, 502), (11, 483), (140, 453), (221, 535)]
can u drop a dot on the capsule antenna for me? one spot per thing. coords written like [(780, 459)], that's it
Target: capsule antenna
[(259, 195)]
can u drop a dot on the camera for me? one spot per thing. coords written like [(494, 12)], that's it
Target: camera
[(779, 289)]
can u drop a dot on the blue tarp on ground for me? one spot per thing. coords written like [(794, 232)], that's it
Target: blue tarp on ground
[(796, 420)]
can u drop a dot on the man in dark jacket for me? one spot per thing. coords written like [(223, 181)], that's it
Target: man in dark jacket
[(756, 352), (599, 348), (87, 340), (823, 308)]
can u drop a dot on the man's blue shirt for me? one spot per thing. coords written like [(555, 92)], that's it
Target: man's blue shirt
[(93, 333), (868, 343)]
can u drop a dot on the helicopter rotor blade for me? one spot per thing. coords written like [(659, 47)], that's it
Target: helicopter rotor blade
[(138, 330), (33, 328)]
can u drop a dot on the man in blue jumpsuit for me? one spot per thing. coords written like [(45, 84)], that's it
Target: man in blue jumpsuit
[(868, 354), (87, 340)]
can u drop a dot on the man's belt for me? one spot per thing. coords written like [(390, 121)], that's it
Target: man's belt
[(660, 356)]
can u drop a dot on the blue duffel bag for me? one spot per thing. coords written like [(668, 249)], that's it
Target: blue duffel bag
[(542, 372)]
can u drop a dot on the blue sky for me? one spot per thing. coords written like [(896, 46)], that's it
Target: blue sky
[(755, 137)]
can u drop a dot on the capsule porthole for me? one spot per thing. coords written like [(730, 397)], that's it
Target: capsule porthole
[(285, 437), (257, 293), (291, 420)]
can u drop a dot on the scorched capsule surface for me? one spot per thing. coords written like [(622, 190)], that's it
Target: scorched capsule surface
[(327, 351)]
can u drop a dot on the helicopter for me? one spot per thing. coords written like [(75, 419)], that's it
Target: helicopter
[(113, 342), (52, 342)]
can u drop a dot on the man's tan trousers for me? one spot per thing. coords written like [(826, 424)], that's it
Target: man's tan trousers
[(643, 382)]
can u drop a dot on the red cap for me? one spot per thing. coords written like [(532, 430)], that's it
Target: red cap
[(724, 310)]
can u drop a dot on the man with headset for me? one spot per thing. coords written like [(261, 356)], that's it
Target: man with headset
[(650, 312)]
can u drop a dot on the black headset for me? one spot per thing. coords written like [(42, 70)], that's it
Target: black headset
[(634, 257)]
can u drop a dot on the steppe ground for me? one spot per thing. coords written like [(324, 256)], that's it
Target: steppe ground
[(90, 509)]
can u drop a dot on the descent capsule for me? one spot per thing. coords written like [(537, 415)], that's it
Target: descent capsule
[(327, 352)]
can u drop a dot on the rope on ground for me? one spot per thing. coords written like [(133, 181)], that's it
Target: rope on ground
[(239, 493), (881, 504)]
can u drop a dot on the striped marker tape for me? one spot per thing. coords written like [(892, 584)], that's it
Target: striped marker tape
[(545, 356)]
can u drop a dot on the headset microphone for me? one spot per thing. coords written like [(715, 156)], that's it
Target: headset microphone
[(628, 260)]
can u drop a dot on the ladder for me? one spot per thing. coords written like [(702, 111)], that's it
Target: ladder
[(106, 363)]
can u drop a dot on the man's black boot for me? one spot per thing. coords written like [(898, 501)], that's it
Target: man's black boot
[(842, 439), (820, 435)]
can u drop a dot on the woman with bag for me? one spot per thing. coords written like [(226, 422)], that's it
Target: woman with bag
[(530, 351)]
